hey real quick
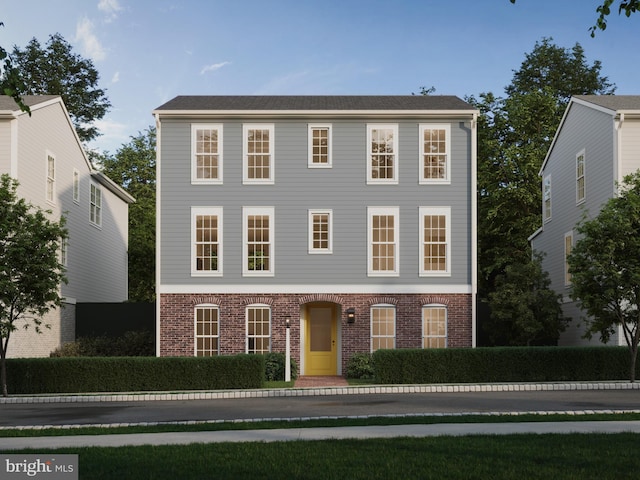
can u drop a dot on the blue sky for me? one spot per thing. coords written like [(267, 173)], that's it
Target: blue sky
[(149, 51)]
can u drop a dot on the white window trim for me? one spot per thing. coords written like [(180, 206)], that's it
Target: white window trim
[(245, 154), (313, 127), (446, 323), (195, 326), (98, 220), (194, 164), (421, 177), (395, 323), (396, 153), (246, 324), (64, 251), (195, 211), (76, 185), (246, 212), (395, 212), (547, 181), (329, 249), (584, 177), (446, 211), (565, 263), (50, 180)]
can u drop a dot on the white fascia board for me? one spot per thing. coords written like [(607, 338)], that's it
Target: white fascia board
[(317, 113), (307, 289)]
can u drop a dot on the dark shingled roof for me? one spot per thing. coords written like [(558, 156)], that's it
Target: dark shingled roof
[(8, 103), (613, 102), (315, 102)]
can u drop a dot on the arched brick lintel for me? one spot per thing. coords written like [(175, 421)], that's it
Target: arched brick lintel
[(321, 297)]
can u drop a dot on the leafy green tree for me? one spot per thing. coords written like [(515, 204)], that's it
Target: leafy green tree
[(605, 268), (134, 168), (12, 85), (30, 267), (514, 135), (56, 70)]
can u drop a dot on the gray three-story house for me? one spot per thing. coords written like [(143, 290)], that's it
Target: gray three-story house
[(350, 218)]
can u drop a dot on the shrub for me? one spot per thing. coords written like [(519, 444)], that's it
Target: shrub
[(130, 344), (274, 367), (360, 365)]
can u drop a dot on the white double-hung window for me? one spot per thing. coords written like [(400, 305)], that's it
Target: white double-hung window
[(258, 152), (435, 241), (258, 241), (382, 154), (435, 154), (383, 236), (206, 154), (206, 241), (319, 146)]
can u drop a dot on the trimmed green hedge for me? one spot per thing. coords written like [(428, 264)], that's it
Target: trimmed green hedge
[(129, 374), (508, 364)]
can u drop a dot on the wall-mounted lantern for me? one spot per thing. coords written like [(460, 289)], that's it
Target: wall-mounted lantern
[(351, 315)]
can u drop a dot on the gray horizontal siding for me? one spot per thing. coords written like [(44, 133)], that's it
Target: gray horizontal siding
[(297, 189)]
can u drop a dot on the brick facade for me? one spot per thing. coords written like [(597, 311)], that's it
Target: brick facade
[(177, 320)]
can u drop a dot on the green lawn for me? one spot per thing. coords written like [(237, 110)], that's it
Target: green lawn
[(596, 456)]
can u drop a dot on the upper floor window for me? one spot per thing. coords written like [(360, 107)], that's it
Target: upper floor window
[(258, 329), (96, 205), (206, 154), (580, 184), (568, 246), (207, 330), (64, 251), (319, 146), (51, 178), (206, 241), (546, 198), (435, 151), (435, 241), (383, 241), (258, 228), (258, 150), (76, 185), (383, 327), (382, 154), (320, 231), (434, 326)]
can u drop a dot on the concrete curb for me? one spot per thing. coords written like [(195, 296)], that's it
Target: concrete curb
[(314, 391)]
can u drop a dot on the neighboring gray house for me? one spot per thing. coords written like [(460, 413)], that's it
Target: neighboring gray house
[(596, 145), (351, 217), (43, 152)]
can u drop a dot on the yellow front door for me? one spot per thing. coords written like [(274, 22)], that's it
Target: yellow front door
[(320, 342)]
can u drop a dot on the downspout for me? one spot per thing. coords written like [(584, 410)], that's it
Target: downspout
[(617, 175), (158, 230), (474, 228)]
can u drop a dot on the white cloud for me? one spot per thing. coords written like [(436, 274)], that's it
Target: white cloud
[(115, 78), (214, 67), (89, 43), (110, 8)]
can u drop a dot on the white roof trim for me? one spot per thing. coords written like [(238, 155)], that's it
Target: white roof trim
[(306, 113)]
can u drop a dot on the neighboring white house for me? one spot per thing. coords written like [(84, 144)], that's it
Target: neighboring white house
[(43, 152), (596, 145), (352, 218)]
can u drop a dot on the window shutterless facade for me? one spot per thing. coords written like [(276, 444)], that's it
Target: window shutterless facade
[(435, 154), (568, 246), (258, 152), (383, 327), (319, 146), (51, 178), (435, 241), (320, 231), (382, 154), (580, 180), (206, 154), (546, 198), (258, 328), (434, 326), (207, 330), (258, 241), (95, 208), (383, 232), (206, 241)]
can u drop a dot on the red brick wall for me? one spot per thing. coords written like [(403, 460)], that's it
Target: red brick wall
[(177, 320)]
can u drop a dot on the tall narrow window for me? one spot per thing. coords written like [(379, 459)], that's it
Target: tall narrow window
[(382, 154), (258, 329), (320, 231), (207, 330), (580, 181), (434, 326), (64, 251), (258, 154), (258, 251), (76, 185), (383, 327), (435, 241), (51, 178), (383, 241), (568, 246), (96, 205), (319, 146), (435, 147), (206, 153), (206, 240), (546, 198)]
